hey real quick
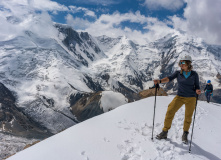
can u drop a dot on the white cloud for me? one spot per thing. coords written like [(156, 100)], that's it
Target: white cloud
[(201, 18), (98, 2), (48, 5), (42, 25), (110, 25), (7, 30), (18, 16), (106, 24), (86, 11), (178, 23), (77, 23), (166, 4), (43, 5)]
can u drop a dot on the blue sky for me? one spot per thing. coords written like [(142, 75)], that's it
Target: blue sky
[(122, 6), (140, 20), (100, 7)]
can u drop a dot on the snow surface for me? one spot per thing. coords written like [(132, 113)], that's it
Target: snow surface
[(125, 134), (111, 100)]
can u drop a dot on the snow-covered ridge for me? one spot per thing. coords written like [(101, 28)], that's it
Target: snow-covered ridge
[(125, 133)]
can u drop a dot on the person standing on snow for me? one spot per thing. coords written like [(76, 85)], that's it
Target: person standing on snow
[(208, 90), (188, 87)]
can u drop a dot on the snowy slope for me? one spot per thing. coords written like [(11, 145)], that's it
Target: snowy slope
[(111, 100), (125, 134)]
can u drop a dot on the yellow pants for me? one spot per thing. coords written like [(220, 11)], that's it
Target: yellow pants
[(174, 106)]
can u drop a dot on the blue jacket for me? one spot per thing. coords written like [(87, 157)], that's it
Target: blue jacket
[(209, 88), (186, 86)]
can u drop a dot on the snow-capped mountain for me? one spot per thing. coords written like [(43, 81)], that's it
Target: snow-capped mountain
[(43, 73), (134, 65), (125, 134)]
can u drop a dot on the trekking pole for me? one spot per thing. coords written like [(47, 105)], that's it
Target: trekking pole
[(193, 124), (157, 86)]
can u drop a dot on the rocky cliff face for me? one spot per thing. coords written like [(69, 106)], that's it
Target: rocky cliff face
[(151, 92), (86, 106), (82, 45)]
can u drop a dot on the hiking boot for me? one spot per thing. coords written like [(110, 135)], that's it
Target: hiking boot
[(162, 135), (184, 137)]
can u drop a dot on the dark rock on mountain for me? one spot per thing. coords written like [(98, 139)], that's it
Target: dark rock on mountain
[(75, 97), (81, 40), (151, 92), (219, 77), (72, 36), (87, 38), (95, 86), (215, 50), (136, 81), (127, 92), (105, 77), (86, 105), (166, 68)]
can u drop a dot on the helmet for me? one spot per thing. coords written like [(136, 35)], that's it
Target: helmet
[(186, 58), (209, 81)]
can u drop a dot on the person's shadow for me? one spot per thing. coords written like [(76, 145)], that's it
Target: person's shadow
[(195, 150)]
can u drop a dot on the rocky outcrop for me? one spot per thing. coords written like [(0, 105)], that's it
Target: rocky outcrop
[(86, 105), (219, 77), (127, 92), (95, 86), (151, 92)]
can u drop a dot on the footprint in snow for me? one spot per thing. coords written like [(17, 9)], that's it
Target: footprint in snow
[(130, 151), (106, 140), (85, 156), (136, 128)]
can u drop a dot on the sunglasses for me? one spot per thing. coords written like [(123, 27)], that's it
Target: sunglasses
[(182, 62)]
